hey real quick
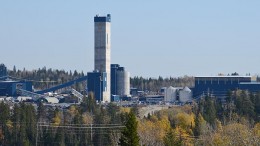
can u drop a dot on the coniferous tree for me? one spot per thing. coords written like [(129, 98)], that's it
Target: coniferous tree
[(247, 106), (196, 129), (244, 105), (16, 123), (129, 136), (113, 112), (41, 113), (257, 107), (170, 139), (4, 117), (209, 110)]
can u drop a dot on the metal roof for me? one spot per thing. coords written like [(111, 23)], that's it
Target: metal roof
[(223, 77), (251, 83)]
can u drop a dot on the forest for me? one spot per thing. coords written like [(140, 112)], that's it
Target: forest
[(206, 122), (25, 124)]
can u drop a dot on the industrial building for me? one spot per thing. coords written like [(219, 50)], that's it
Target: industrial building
[(185, 95), (115, 80), (97, 84), (170, 94), (220, 85), (174, 94), (102, 51), (9, 87), (120, 81)]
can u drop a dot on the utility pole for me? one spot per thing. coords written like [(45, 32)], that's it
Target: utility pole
[(36, 135), (91, 134)]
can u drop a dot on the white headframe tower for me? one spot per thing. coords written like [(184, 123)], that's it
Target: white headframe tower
[(103, 51)]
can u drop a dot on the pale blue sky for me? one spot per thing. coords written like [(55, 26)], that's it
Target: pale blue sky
[(149, 37)]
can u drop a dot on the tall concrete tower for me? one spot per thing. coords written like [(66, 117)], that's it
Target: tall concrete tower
[(102, 51)]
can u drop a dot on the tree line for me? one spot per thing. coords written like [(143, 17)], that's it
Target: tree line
[(155, 84), (207, 122), (44, 78), (26, 124)]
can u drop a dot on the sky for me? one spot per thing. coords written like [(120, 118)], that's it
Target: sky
[(150, 38)]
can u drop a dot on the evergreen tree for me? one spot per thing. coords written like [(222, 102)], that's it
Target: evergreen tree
[(247, 106), (244, 104), (129, 136), (4, 112), (16, 123), (135, 110), (200, 125), (209, 110), (170, 139), (196, 129), (4, 117), (14, 69), (41, 113), (257, 107), (113, 111)]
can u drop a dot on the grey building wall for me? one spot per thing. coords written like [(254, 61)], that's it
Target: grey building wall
[(103, 50)]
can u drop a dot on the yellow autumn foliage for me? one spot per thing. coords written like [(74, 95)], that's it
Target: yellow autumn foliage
[(185, 121), (9, 124), (87, 118), (57, 119), (256, 130), (125, 109), (73, 111), (153, 131)]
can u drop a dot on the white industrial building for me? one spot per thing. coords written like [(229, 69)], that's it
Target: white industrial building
[(173, 94), (170, 94), (185, 95)]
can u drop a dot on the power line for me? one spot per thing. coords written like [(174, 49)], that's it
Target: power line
[(87, 129)]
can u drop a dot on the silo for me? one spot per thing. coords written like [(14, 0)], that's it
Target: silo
[(170, 94), (185, 94), (123, 83)]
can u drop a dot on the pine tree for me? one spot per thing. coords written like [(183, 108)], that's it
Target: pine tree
[(16, 123), (41, 112), (170, 139), (247, 106), (257, 106), (200, 125), (4, 118), (210, 112), (129, 136)]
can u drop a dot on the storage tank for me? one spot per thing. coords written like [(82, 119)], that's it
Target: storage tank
[(123, 83), (185, 94), (170, 94)]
